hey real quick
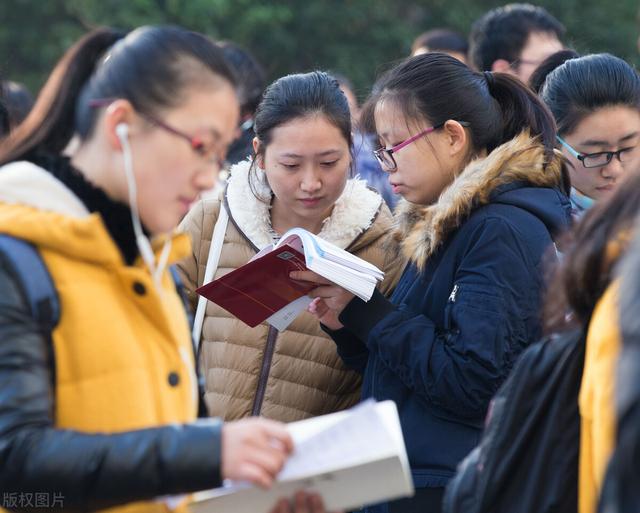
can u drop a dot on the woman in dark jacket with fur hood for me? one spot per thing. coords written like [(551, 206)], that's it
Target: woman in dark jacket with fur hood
[(473, 156)]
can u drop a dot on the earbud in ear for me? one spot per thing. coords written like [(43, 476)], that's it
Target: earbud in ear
[(122, 131)]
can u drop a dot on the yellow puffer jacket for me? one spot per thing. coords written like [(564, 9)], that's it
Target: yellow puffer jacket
[(122, 352), (297, 373), (597, 398)]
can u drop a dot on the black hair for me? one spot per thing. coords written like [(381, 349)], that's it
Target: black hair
[(580, 86), (151, 67), (249, 73), (502, 33), (441, 40), (343, 81), (540, 74), (298, 96), (436, 87)]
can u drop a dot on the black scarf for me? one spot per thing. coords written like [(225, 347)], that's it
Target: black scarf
[(115, 215)]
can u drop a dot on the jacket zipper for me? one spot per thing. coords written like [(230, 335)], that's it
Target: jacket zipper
[(267, 358)]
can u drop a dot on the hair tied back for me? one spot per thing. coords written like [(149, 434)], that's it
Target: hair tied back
[(489, 79)]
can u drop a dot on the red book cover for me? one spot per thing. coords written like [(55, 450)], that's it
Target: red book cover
[(258, 289)]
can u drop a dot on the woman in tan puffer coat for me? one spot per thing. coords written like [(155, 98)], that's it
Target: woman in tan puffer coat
[(299, 177)]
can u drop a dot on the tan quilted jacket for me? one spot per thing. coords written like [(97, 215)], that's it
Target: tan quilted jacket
[(257, 371)]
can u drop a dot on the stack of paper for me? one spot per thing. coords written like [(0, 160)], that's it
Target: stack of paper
[(262, 290), (350, 458)]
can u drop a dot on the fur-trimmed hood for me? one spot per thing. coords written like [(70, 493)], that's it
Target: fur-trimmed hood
[(514, 173), (354, 212)]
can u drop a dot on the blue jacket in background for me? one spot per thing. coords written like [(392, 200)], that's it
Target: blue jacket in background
[(450, 334)]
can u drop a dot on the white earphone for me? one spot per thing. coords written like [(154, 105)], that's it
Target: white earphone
[(144, 246), (122, 131)]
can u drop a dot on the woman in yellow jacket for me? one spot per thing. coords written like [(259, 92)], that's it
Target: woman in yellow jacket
[(101, 412)]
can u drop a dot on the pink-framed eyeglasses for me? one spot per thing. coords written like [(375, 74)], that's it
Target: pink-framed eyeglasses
[(385, 156), (196, 142)]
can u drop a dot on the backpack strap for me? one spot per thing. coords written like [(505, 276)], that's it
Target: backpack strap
[(39, 290), (182, 292)]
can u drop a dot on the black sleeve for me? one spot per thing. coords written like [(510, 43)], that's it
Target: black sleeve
[(87, 471), (352, 351)]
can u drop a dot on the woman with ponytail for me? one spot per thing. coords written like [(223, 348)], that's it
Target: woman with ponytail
[(473, 156), (101, 411)]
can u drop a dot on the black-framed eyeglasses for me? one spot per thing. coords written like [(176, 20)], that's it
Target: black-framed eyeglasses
[(599, 159), (198, 145), (385, 156)]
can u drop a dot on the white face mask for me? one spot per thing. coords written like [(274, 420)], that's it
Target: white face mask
[(156, 269)]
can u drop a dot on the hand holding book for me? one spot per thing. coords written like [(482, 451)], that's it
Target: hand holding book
[(321, 311), (329, 298), (264, 288)]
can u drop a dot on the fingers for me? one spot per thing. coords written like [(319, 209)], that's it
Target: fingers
[(307, 502), (255, 474), (282, 506), (254, 450), (326, 291), (278, 433), (318, 307), (309, 276), (300, 501), (269, 459)]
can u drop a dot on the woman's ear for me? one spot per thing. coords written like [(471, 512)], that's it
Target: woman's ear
[(456, 138), (117, 113), (256, 150)]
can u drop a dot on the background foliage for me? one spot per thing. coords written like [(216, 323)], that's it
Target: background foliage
[(355, 37)]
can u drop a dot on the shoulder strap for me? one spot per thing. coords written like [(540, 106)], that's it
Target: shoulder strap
[(38, 287), (212, 265)]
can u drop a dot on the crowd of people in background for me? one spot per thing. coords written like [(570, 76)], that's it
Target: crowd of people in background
[(495, 180)]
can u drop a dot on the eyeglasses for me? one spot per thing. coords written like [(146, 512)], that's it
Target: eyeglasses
[(385, 156), (203, 149), (600, 159)]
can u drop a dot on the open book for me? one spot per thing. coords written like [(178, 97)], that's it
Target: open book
[(350, 458), (262, 290)]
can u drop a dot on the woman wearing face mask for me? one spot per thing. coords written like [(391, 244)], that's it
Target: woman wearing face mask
[(102, 410), (596, 103), (473, 155), (298, 178)]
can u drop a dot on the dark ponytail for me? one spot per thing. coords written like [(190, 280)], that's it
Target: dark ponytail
[(151, 67), (50, 124), (437, 87), (521, 109)]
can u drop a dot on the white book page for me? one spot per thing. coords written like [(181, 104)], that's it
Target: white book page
[(287, 314), (358, 437), (366, 440)]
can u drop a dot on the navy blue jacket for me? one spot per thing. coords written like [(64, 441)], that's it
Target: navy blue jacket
[(449, 335)]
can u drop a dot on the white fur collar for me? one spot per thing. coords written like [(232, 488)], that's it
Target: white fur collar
[(27, 184), (352, 214)]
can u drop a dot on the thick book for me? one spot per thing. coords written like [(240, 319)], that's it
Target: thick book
[(351, 458), (262, 290)]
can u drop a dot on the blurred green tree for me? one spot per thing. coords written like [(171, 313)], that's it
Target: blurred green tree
[(357, 38)]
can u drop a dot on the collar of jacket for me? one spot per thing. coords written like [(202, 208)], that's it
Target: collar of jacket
[(40, 208), (354, 211), (421, 229)]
